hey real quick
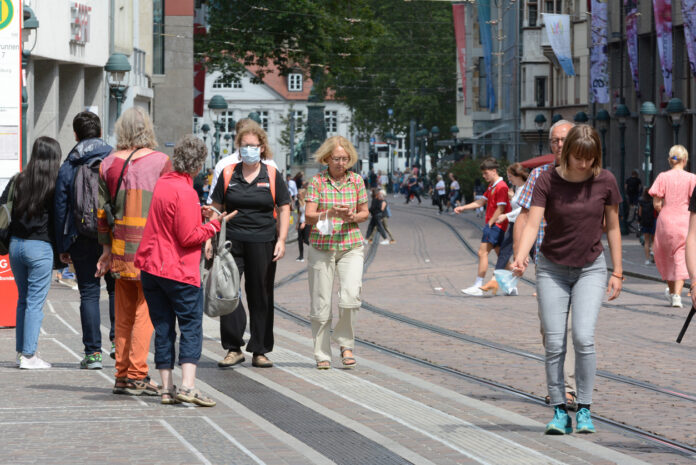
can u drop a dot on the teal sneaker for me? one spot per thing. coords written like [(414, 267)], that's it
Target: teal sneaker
[(112, 353), (561, 423), (584, 421), (92, 361)]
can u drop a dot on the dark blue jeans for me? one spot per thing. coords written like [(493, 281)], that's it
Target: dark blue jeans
[(169, 301), (85, 253)]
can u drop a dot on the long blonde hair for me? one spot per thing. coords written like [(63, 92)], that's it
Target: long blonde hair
[(134, 130), (301, 197)]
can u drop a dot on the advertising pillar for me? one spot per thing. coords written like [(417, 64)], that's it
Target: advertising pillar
[(10, 132)]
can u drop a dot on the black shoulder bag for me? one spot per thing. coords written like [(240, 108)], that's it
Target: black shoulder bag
[(110, 207)]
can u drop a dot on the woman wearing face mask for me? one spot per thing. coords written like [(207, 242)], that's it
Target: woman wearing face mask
[(336, 203), (255, 189)]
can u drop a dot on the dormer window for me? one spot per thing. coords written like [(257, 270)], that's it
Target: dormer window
[(295, 82), (221, 84)]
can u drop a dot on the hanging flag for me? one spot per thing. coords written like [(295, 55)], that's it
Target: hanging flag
[(689, 15), (599, 61), (558, 30), (459, 15), (198, 79), (663, 25), (631, 8), (484, 16)]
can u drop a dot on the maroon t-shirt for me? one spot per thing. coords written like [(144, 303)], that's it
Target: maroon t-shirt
[(574, 212)]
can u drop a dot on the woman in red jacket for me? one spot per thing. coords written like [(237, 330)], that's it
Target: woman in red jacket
[(168, 259)]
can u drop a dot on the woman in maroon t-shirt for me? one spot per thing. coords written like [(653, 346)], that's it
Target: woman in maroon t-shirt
[(575, 198)]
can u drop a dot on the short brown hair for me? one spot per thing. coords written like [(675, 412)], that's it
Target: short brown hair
[(134, 130), (517, 169), (489, 163), (324, 152), (190, 153), (252, 127), (583, 142)]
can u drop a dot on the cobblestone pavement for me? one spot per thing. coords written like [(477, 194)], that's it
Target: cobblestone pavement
[(389, 409)]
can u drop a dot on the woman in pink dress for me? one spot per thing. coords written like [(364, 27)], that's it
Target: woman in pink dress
[(671, 192)]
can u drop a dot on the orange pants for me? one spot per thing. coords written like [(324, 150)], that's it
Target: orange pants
[(133, 330)]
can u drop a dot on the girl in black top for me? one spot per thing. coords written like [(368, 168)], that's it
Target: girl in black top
[(31, 249), (376, 212)]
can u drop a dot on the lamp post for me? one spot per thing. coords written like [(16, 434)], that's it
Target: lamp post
[(556, 118), (391, 139), (421, 134), (675, 109), (622, 114), (540, 121), (454, 130), (648, 110), (581, 117), (205, 129), (118, 67), (216, 106), (29, 27), (435, 135), (603, 119), (255, 116), (228, 137)]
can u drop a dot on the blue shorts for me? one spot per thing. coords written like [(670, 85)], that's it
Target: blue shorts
[(648, 229), (493, 235)]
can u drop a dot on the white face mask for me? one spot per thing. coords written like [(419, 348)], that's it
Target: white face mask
[(325, 226)]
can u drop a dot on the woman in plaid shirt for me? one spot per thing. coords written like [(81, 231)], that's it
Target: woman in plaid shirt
[(336, 196)]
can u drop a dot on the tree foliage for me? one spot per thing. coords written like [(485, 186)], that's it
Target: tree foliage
[(372, 54)]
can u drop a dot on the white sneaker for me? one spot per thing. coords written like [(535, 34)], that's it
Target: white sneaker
[(676, 301), (647, 262), (473, 290), (513, 291), (33, 363), (19, 358), (384, 242), (668, 296)]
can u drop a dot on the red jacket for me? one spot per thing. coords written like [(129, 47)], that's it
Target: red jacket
[(171, 243)]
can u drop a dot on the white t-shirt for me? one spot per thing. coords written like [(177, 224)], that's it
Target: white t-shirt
[(224, 163), (292, 188), (384, 180), (440, 187), (454, 186)]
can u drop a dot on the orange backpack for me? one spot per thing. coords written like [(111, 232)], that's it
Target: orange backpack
[(229, 170)]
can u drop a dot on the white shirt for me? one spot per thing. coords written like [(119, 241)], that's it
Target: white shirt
[(292, 188), (440, 187), (224, 163), (454, 186)]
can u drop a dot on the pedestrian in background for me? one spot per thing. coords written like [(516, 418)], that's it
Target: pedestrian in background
[(255, 188), (648, 221), (336, 203), (377, 212), (454, 194), (169, 258), (440, 192), (77, 243), (386, 214), (671, 192), (576, 198), (303, 228), (138, 166), (31, 245), (496, 201)]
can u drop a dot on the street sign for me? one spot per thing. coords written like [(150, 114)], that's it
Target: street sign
[(372, 140), (390, 111)]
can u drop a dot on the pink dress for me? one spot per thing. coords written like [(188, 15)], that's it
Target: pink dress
[(675, 187)]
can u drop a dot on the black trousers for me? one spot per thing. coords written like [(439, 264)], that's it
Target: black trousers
[(376, 222), (303, 238), (254, 260)]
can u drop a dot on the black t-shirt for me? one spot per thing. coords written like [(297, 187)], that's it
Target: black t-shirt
[(376, 207), (633, 186), (254, 221)]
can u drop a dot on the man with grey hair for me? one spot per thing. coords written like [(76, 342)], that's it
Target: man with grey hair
[(557, 135)]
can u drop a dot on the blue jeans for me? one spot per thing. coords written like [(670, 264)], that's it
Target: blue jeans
[(85, 253), (32, 265), (558, 288), (169, 301), (505, 249)]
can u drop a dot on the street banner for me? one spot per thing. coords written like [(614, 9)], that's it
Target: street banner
[(10, 132), (689, 15), (198, 78), (631, 8), (459, 15), (663, 25), (558, 30), (484, 16), (599, 60)]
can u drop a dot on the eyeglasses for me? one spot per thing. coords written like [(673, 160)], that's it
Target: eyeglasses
[(339, 160), (557, 141), (251, 146)]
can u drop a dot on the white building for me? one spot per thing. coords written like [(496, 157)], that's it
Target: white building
[(272, 100)]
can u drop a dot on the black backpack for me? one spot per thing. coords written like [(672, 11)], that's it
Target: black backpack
[(85, 199)]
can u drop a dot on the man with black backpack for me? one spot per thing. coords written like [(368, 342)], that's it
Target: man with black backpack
[(75, 225)]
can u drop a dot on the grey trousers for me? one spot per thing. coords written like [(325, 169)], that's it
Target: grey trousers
[(558, 288)]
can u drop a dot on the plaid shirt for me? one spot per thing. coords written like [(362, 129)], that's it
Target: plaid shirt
[(525, 201), (323, 191)]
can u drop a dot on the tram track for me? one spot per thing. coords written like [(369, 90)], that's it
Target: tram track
[(660, 441)]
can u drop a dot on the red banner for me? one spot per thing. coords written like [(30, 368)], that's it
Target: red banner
[(459, 15), (198, 79)]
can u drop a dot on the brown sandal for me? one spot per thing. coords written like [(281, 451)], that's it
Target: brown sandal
[(169, 396), (323, 365), (348, 362)]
